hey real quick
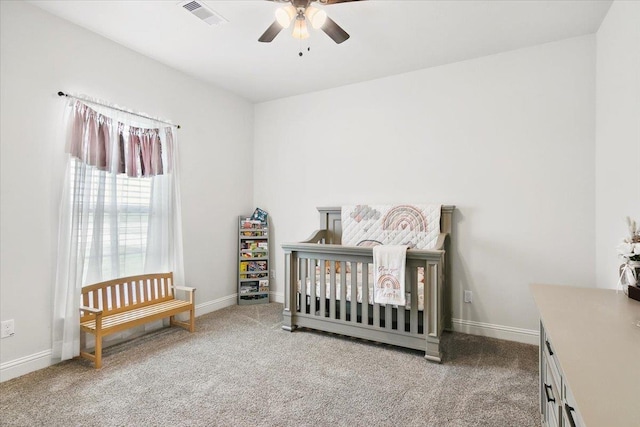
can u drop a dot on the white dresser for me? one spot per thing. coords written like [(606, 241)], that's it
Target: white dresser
[(589, 357)]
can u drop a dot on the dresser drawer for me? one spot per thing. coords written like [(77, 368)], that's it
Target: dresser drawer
[(570, 415), (553, 398), (552, 361)]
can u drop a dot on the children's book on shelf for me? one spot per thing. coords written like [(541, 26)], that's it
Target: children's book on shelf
[(249, 287), (259, 215)]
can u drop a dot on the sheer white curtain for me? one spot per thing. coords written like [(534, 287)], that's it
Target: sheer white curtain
[(119, 212)]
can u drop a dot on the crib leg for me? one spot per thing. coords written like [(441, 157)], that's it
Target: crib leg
[(433, 352), (287, 321)]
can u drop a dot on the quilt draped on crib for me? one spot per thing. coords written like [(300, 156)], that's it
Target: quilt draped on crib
[(416, 226)]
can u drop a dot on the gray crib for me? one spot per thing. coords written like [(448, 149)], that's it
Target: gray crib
[(328, 288)]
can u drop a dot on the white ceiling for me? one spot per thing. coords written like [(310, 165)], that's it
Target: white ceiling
[(387, 37)]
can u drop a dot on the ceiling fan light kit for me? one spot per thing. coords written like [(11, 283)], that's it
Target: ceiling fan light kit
[(285, 15), (300, 30), (301, 11), (316, 16)]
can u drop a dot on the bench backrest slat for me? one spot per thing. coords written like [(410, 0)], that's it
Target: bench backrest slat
[(127, 293)]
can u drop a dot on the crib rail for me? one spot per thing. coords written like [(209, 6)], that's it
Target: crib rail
[(317, 295)]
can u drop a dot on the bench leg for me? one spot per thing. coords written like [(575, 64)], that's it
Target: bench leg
[(192, 320), (190, 325), (98, 353)]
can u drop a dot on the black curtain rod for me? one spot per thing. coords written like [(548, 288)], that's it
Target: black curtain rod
[(60, 93)]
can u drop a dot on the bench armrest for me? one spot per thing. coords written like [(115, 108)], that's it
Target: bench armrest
[(186, 289), (90, 310), (96, 312)]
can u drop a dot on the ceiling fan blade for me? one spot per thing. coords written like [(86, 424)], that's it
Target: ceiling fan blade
[(271, 32), (334, 31)]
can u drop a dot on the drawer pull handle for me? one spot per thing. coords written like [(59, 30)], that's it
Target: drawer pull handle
[(549, 348), (570, 409), (547, 387)]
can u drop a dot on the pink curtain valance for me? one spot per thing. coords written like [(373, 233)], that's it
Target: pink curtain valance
[(110, 145)]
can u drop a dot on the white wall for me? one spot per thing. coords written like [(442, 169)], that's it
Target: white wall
[(508, 139), (617, 134), (41, 54)]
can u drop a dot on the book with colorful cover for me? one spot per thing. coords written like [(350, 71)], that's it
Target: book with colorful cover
[(259, 215)]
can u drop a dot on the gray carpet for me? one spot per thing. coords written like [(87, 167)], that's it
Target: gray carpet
[(240, 369)]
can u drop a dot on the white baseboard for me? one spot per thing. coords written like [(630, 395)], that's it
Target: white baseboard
[(217, 304), (276, 297), (527, 336), (24, 365)]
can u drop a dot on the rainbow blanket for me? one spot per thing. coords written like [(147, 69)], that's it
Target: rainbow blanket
[(416, 226)]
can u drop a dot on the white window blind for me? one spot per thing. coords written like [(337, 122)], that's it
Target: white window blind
[(117, 216)]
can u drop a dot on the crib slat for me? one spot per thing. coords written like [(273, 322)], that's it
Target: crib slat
[(388, 317), (412, 281), (430, 300), (343, 291), (332, 291), (303, 284), (413, 322), (365, 293), (313, 264), (376, 315), (377, 309), (323, 288), (354, 292)]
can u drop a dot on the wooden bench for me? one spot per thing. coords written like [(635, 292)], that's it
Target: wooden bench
[(119, 304)]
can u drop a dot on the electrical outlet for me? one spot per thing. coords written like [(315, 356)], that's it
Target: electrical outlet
[(273, 273), (468, 296), (6, 329)]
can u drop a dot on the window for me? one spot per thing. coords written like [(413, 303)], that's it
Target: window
[(115, 202)]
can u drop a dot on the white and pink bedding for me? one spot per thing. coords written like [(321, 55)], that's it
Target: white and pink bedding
[(417, 226)]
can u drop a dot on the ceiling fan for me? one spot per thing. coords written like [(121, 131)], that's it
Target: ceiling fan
[(299, 12)]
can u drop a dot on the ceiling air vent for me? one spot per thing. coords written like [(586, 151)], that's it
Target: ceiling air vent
[(203, 12)]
